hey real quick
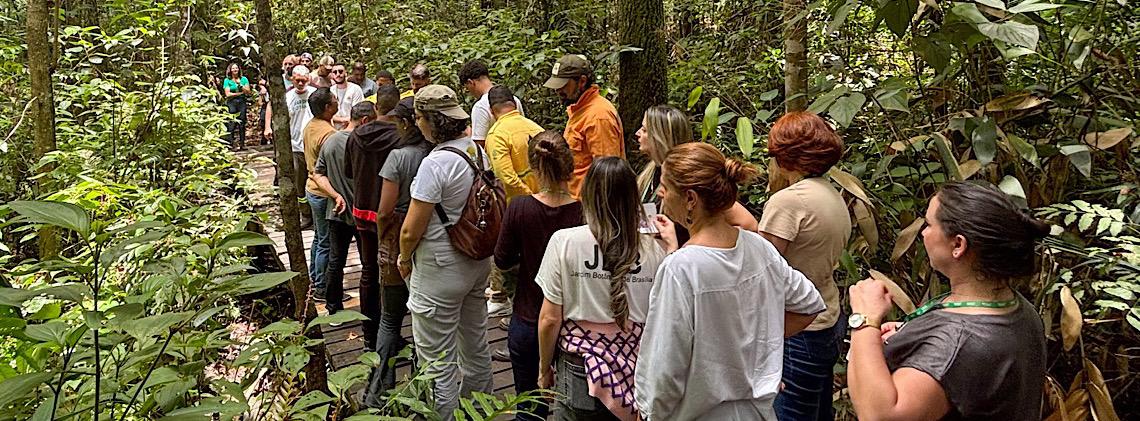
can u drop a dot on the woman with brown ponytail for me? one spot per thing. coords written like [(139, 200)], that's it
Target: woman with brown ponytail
[(721, 306), (596, 280)]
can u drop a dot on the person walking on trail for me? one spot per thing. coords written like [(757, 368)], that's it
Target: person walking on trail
[(358, 75), (449, 308), (324, 70), (976, 352), (334, 181), (475, 78), (596, 280), (368, 149), (347, 92), (395, 197), (420, 77), (594, 128), (287, 65), (507, 147), (297, 101), (528, 224), (721, 305), (324, 104), (809, 225), (237, 90)]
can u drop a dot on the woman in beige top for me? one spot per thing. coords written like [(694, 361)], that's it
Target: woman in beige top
[(809, 225)]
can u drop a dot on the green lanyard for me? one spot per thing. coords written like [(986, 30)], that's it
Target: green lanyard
[(937, 304)]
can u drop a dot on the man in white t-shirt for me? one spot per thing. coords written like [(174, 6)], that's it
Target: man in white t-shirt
[(297, 101), (476, 79), (349, 94)]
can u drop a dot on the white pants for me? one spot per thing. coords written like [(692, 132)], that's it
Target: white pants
[(449, 322)]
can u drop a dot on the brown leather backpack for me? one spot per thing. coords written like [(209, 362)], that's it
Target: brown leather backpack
[(477, 230)]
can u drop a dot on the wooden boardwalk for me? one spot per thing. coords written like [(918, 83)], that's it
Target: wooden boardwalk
[(345, 343)]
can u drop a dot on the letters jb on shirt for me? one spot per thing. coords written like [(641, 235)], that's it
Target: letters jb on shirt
[(592, 269)]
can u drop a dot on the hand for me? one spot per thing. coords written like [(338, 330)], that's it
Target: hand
[(870, 298), (268, 133), (889, 329), (546, 377), (405, 267), (666, 232), (340, 205)]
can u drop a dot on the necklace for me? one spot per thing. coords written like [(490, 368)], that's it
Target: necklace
[(937, 304), (558, 192)]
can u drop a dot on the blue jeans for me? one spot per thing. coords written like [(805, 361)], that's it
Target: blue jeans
[(319, 253), (809, 364), (522, 342)]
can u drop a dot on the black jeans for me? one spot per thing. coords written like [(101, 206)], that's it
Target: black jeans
[(370, 287), (236, 126), (340, 237), (522, 342), (390, 340)]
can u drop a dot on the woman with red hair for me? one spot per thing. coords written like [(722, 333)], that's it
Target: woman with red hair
[(809, 225)]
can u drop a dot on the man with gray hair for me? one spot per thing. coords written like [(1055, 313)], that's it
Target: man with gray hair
[(297, 101)]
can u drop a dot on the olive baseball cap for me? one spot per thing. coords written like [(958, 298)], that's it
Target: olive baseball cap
[(439, 98), (568, 68)]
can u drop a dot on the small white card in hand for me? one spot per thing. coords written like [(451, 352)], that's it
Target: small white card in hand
[(647, 226)]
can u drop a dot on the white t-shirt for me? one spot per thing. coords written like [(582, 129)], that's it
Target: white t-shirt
[(482, 119), (713, 342), (445, 178), (299, 116), (571, 275), (348, 97)]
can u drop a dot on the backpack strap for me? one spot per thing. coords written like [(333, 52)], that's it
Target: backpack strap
[(478, 172)]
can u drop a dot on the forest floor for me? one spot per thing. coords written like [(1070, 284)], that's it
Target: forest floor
[(345, 343)]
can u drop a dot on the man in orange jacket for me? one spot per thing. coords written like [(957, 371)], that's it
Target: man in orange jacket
[(594, 128)]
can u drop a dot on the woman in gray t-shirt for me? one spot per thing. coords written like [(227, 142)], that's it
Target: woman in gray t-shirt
[(977, 352)]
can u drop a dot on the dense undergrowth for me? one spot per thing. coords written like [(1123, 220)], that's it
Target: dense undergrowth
[(1039, 98)]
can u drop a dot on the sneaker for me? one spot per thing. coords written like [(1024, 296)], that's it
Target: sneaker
[(319, 295), (501, 355), (505, 323), (502, 309)]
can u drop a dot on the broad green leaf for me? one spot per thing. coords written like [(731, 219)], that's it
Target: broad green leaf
[(343, 316), (342, 380), (370, 359), (996, 4), (60, 214), (1011, 32), (155, 325), (744, 137), (312, 399), (824, 101), (21, 386), (1012, 186), (984, 138), (1086, 222), (770, 95), (1080, 157), (1024, 149), (840, 16), (53, 331), (282, 326), (69, 292), (844, 109), (1134, 318), (243, 239), (949, 161), (262, 281), (694, 96), (712, 116), (898, 14), (849, 183)]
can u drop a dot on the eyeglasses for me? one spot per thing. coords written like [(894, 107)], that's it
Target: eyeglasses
[(338, 71)]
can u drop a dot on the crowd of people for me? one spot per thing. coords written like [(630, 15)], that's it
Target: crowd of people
[(650, 294)]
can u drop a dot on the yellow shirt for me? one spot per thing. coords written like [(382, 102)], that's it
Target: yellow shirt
[(314, 136), (408, 94), (594, 130), (507, 142)]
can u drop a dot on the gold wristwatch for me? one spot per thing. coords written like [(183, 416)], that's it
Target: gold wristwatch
[(858, 321)]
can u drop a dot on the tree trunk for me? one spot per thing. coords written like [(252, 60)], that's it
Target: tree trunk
[(305, 310), (795, 56), (643, 80), (40, 65)]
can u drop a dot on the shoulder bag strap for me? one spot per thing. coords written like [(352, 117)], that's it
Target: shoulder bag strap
[(478, 172)]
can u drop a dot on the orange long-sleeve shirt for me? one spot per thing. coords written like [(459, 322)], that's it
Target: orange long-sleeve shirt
[(594, 130)]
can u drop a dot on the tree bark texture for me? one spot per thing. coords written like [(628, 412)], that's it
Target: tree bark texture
[(305, 309), (795, 56), (643, 75), (40, 65)]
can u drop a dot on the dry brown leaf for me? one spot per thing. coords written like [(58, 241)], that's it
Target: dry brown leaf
[(866, 222), (1015, 102), (1106, 140), (898, 146), (1070, 319), (897, 294), (969, 168), (1056, 398), (1076, 403), (1098, 391), (906, 238), (851, 184)]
